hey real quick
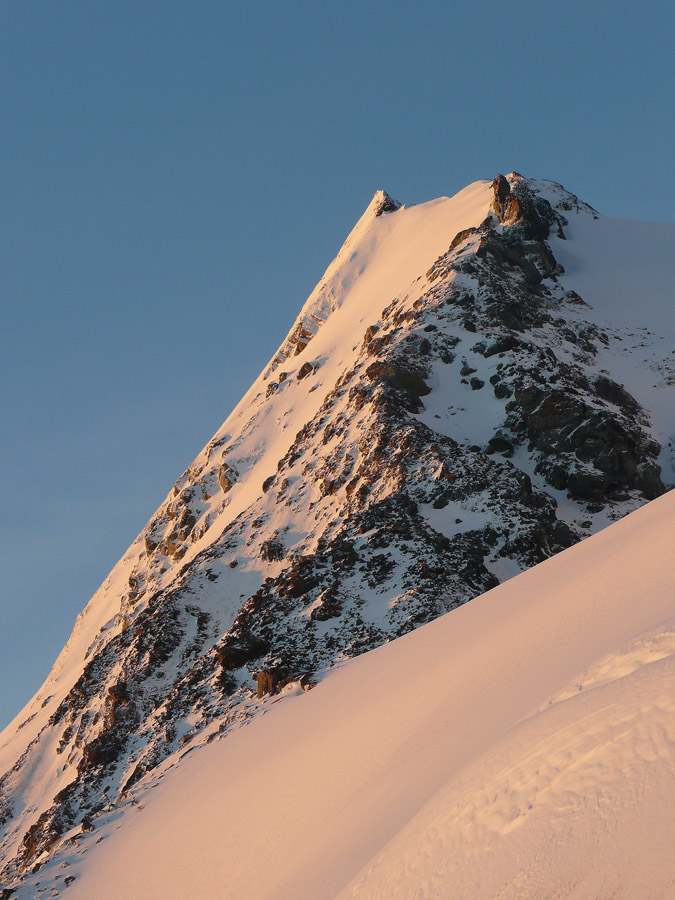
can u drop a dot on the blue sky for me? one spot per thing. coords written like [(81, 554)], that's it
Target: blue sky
[(175, 177)]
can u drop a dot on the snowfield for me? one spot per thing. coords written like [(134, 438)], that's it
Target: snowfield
[(520, 747)]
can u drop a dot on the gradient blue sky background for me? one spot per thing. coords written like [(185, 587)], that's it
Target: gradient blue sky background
[(175, 177)]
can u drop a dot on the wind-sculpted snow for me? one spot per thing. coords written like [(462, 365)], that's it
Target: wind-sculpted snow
[(455, 403)]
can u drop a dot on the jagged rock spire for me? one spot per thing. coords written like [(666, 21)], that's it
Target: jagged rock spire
[(383, 203)]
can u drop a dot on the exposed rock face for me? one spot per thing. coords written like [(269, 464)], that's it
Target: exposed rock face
[(518, 206), (384, 203), (226, 478), (383, 512)]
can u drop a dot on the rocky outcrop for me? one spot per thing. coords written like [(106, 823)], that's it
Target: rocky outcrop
[(517, 206), (408, 382), (227, 477), (383, 203), (600, 452)]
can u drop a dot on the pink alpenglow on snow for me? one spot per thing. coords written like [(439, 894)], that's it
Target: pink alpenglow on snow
[(476, 388), (522, 746)]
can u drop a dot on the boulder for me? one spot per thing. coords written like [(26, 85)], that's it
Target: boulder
[(272, 550), (407, 381), (237, 650), (227, 477), (502, 345), (614, 393), (500, 444), (502, 391)]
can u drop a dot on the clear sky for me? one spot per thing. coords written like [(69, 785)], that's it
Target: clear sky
[(175, 177)]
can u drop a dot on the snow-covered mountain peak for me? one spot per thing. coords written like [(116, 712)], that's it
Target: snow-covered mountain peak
[(560, 199), (460, 397)]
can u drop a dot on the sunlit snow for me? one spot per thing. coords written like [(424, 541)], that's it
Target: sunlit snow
[(519, 747)]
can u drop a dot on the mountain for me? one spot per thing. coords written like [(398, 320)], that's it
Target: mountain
[(475, 384)]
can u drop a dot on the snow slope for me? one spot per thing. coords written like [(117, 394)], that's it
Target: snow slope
[(520, 747)]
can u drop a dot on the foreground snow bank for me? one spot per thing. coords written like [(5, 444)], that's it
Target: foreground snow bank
[(521, 746)]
